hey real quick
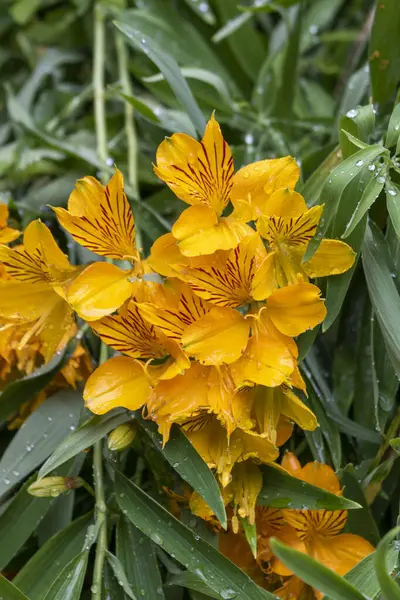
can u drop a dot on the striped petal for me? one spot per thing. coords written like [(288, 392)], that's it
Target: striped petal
[(100, 217), (197, 172)]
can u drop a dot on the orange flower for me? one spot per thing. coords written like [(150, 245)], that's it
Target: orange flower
[(7, 234), (202, 175)]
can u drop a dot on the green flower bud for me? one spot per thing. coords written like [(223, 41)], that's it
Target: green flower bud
[(122, 436), (51, 487)]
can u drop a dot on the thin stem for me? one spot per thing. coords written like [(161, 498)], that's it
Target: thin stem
[(391, 433), (130, 131), (101, 520), (98, 83)]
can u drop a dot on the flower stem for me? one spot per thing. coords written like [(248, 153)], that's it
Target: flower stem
[(391, 433), (101, 521), (98, 84)]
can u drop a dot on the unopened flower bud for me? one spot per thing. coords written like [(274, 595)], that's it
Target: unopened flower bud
[(122, 436), (50, 487)]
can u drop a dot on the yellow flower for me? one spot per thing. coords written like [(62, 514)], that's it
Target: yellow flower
[(100, 219), (288, 225), (7, 234), (320, 530), (124, 380), (202, 175), (35, 293)]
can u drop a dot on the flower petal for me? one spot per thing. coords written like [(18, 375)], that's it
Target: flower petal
[(218, 337), (296, 308), (164, 254), (266, 361), (230, 282), (100, 290), (224, 235), (332, 258), (130, 334), (293, 231), (292, 407), (26, 301), (342, 552), (264, 281), (100, 217), (57, 325), (120, 381), (286, 203), (255, 183), (197, 172)]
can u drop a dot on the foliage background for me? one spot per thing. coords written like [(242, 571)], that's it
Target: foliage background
[(316, 80)]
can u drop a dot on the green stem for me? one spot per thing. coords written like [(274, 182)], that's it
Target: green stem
[(390, 434), (98, 83), (101, 520), (130, 131)]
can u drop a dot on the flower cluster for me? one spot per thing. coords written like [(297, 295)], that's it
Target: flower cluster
[(317, 533), (203, 328)]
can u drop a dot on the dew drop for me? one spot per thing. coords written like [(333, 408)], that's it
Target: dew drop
[(352, 113), (371, 168), (392, 192), (228, 594), (359, 163), (380, 179)]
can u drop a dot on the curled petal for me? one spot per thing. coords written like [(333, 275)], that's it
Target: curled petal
[(296, 308), (120, 381), (332, 258)]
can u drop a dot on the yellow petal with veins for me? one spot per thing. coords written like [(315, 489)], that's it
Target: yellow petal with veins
[(285, 203), (332, 258), (264, 281), (218, 337), (296, 308), (100, 217), (198, 173), (120, 381), (100, 290)]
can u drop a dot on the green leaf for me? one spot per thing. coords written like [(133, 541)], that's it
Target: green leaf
[(19, 521), (83, 437), (285, 92), (186, 461), (370, 194), (169, 68), (203, 75), (395, 443), (136, 553), (363, 576), (329, 428), (357, 123), (180, 542), (23, 390), (191, 581), (284, 491), (250, 532), (359, 522), (9, 591), (383, 293), (393, 130), (384, 51), (389, 588), (393, 205), (120, 575), (230, 27), (69, 583), (203, 9), (315, 574), (41, 433), (356, 89), (334, 187), (36, 577), (313, 186)]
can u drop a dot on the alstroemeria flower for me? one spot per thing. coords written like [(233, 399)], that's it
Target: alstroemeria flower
[(320, 530), (100, 219), (202, 175), (124, 380), (7, 234), (288, 226), (268, 357), (36, 293)]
